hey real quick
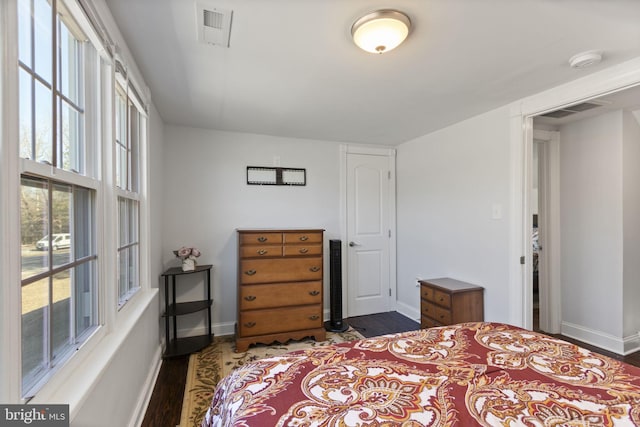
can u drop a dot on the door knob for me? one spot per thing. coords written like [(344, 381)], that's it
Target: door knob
[(352, 244)]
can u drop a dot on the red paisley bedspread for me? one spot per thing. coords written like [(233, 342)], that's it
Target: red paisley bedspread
[(487, 374)]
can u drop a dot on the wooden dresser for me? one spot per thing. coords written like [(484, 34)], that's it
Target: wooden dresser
[(447, 301), (280, 292)]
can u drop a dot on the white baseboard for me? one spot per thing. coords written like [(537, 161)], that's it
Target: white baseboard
[(600, 339), (632, 344), (149, 384), (221, 329), (408, 311), (229, 328)]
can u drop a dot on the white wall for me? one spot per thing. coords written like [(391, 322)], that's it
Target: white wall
[(591, 225), (207, 199), (120, 395), (449, 183), (631, 224)]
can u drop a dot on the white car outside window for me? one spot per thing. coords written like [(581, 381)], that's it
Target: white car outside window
[(59, 241)]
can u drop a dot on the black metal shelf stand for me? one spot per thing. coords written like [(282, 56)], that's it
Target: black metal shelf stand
[(182, 346)]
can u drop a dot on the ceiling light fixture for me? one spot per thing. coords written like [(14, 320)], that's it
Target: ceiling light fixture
[(381, 31), (585, 59)]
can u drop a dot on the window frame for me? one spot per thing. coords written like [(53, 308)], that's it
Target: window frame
[(77, 376), (130, 190), (89, 80), (49, 273)]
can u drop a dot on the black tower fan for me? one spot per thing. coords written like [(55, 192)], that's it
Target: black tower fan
[(336, 323)]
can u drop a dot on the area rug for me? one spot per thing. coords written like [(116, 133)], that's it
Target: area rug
[(213, 363)]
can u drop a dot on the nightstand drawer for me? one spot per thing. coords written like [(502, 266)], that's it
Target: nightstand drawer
[(427, 322), (426, 293), (428, 309), (441, 315), (441, 298), (437, 313)]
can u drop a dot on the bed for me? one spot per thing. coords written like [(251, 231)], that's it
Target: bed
[(470, 374)]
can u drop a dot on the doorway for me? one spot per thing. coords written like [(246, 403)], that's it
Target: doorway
[(369, 232), (574, 122), (545, 233)]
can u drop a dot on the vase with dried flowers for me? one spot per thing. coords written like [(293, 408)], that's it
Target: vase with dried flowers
[(188, 257)]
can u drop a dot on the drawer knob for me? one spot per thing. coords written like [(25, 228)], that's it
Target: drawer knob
[(250, 324), (250, 272), (314, 269), (262, 239), (250, 298), (304, 250), (262, 251), (314, 317), (314, 293), (304, 238), (441, 299)]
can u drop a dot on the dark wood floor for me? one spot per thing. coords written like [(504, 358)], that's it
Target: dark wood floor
[(166, 401)]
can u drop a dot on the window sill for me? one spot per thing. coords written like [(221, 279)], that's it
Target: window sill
[(73, 383)]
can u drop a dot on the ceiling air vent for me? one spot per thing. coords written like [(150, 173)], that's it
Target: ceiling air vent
[(567, 111), (214, 25)]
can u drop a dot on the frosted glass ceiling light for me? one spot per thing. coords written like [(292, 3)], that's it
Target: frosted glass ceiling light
[(381, 31)]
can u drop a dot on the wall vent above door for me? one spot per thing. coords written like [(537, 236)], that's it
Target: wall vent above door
[(573, 109), (214, 25)]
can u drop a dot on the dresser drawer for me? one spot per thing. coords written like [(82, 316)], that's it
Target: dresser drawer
[(310, 237), (275, 270), (259, 238), (280, 295), (272, 321), (260, 251), (303, 250)]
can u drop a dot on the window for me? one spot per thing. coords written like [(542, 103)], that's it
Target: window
[(51, 86), (59, 269), (129, 133), (58, 71)]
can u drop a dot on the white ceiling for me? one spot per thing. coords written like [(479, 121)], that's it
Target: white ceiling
[(292, 69)]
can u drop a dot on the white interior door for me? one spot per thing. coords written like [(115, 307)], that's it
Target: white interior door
[(368, 234)]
